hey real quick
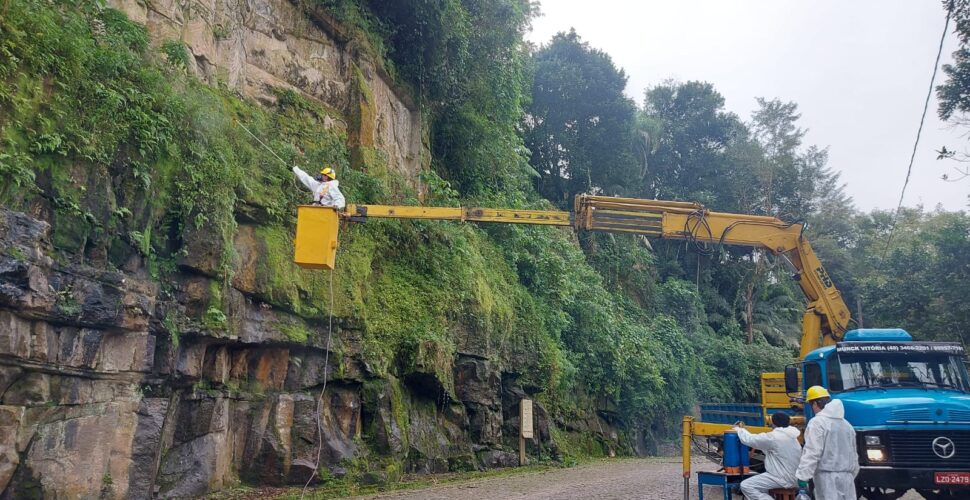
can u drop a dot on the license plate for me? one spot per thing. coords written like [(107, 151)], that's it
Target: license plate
[(952, 477)]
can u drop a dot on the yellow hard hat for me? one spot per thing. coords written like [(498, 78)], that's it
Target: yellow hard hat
[(327, 171), (815, 392)]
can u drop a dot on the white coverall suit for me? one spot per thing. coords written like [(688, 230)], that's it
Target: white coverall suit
[(830, 454), (326, 193), (782, 453)]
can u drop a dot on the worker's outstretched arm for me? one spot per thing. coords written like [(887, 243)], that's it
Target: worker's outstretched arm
[(305, 178), (761, 441)]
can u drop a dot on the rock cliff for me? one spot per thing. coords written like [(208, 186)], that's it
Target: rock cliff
[(262, 46), (99, 400)]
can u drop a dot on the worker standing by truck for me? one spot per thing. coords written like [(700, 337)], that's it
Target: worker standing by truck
[(782, 453), (324, 186), (829, 455)]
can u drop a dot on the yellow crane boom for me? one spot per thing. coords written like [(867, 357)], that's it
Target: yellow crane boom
[(826, 316)]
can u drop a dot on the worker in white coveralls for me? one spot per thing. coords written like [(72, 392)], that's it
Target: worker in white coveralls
[(782, 453), (830, 454), (324, 186)]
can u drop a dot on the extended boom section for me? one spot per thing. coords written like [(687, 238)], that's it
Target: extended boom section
[(360, 213)]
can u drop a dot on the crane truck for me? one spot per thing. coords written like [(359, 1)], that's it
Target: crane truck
[(909, 401)]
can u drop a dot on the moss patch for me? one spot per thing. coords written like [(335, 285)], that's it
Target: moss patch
[(363, 111), (295, 332)]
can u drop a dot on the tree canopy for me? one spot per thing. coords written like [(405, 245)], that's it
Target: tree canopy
[(579, 126), (954, 93)]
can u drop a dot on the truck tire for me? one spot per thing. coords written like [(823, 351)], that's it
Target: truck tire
[(879, 493), (942, 494)]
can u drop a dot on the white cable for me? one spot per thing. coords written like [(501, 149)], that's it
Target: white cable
[(262, 144), (326, 363)]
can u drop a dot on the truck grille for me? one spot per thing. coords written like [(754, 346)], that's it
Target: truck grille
[(960, 415), (916, 448), (911, 414)]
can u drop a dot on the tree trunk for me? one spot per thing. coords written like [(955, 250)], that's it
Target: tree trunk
[(749, 311), (858, 307)]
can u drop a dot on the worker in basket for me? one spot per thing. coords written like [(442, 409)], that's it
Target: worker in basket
[(324, 186), (782, 453), (830, 456)]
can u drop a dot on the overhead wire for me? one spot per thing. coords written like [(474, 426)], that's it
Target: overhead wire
[(919, 131)]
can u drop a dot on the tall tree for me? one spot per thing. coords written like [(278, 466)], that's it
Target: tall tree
[(691, 160), (795, 180), (579, 126), (774, 129), (954, 93), (467, 61)]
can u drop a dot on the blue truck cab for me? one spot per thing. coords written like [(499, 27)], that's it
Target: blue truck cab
[(909, 403)]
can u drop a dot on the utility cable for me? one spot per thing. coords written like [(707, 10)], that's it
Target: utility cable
[(326, 365), (261, 143), (919, 131), (707, 453), (326, 356)]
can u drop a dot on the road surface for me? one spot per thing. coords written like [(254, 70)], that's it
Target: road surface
[(641, 478)]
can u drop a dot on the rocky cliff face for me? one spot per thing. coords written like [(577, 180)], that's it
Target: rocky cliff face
[(98, 400), (261, 46), (118, 384)]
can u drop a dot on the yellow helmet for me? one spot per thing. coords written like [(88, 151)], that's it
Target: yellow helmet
[(328, 172), (815, 392)]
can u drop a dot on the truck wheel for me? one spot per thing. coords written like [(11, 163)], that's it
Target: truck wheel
[(880, 493), (941, 494)]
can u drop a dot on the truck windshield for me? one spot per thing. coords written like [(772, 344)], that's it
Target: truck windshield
[(858, 371)]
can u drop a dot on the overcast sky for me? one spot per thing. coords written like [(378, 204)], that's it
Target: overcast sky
[(859, 71)]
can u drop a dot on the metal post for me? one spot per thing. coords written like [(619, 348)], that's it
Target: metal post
[(685, 453)]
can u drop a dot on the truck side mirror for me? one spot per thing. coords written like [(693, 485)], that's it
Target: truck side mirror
[(791, 379)]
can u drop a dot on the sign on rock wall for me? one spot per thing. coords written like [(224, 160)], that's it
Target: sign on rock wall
[(525, 427), (525, 414)]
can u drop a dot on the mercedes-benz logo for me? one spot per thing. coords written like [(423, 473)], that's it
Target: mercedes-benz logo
[(944, 447)]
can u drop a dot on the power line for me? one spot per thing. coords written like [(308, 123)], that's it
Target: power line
[(926, 105)]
